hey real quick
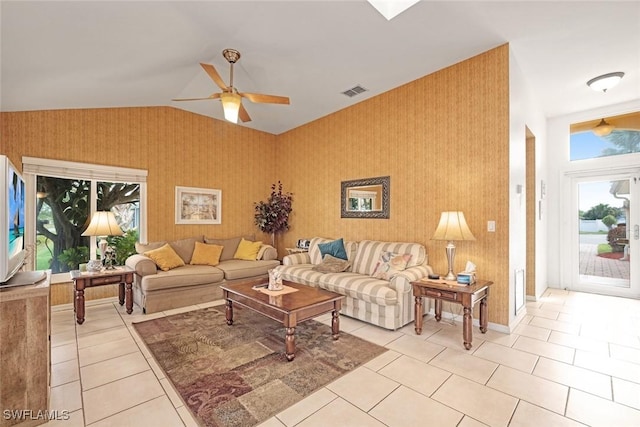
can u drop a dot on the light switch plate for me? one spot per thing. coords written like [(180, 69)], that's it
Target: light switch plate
[(491, 226)]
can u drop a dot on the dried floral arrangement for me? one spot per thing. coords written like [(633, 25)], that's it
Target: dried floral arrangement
[(272, 216)]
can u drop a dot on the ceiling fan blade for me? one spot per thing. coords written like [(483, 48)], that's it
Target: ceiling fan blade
[(242, 113), (214, 96), (267, 99), (210, 69)]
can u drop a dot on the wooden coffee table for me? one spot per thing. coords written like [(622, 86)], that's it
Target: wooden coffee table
[(289, 309)]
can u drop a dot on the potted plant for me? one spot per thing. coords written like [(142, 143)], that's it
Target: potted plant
[(272, 216)]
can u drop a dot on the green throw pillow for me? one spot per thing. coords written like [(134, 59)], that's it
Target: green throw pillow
[(334, 248)]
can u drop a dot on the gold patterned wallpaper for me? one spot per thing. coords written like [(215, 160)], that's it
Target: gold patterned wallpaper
[(443, 139), (177, 148)]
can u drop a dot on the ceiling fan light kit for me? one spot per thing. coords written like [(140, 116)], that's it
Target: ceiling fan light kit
[(230, 97), (230, 106), (606, 81), (603, 128)]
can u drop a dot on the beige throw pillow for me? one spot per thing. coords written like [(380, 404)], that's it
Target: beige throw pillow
[(331, 264), (390, 264)]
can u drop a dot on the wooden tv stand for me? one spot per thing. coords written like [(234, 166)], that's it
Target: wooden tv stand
[(25, 351)]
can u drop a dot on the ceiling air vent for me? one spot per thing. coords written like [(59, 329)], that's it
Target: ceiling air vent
[(356, 90)]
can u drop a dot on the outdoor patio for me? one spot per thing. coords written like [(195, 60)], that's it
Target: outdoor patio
[(593, 265)]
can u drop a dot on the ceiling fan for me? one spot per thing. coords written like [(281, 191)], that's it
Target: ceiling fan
[(230, 97)]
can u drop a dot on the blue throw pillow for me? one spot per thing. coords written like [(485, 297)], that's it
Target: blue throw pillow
[(334, 248)]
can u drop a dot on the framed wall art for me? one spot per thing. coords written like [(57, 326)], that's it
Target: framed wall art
[(198, 206)]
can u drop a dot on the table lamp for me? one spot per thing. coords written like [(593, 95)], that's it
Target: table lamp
[(452, 227), (103, 224)]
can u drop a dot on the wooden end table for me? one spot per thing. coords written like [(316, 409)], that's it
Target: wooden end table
[(82, 279), (289, 309), (446, 290)]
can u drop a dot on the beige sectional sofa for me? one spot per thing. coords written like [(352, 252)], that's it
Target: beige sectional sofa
[(157, 290), (388, 303)]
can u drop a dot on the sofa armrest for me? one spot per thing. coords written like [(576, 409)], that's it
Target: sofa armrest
[(299, 258), (269, 253), (401, 282), (142, 265)]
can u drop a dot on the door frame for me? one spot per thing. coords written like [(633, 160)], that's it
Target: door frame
[(570, 241)]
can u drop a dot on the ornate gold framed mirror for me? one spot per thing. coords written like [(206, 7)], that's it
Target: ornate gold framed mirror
[(365, 198)]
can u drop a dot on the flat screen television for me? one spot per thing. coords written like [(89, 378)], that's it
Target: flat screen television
[(12, 245)]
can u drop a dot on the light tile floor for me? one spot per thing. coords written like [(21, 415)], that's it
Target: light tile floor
[(575, 360)]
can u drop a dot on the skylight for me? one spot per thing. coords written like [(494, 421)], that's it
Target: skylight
[(391, 8)]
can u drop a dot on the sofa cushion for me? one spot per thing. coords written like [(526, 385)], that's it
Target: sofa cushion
[(205, 254), (230, 245), (368, 252), (360, 287), (240, 269), (301, 273), (141, 248), (331, 264), (389, 264), (334, 248), (187, 275), (165, 258), (247, 250), (184, 247)]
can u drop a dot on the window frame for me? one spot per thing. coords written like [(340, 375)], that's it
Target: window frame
[(32, 167)]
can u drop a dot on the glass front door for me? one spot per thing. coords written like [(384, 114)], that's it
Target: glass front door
[(606, 234)]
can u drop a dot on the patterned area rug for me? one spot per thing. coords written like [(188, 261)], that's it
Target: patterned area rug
[(238, 375)]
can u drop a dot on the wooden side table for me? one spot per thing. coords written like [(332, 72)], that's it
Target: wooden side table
[(82, 279), (445, 290)]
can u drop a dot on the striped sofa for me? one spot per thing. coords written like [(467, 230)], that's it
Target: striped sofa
[(384, 303)]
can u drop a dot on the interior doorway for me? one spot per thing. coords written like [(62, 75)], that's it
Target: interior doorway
[(531, 183)]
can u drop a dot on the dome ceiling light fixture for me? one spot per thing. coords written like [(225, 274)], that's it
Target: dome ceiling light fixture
[(603, 128), (606, 81)]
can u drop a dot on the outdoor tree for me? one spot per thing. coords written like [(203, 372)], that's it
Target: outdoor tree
[(609, 220), (625, 141), (600, 211), (68, 202)]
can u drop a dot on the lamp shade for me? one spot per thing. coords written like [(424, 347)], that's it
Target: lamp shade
[(103, 223), (453, 226), (230, 105)]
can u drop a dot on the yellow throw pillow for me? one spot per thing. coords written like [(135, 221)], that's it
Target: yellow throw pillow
[(165, 257), (204, 254), (247, 250)]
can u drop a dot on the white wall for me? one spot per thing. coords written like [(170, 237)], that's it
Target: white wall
[(524, 112), (561, 213)]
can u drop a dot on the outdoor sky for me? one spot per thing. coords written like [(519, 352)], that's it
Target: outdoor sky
[(586, 145)]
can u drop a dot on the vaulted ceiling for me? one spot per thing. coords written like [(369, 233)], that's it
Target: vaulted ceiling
[(92, 54)]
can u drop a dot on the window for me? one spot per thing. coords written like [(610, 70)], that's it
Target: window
[(604, 137), (66, 195), (587, 145)]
